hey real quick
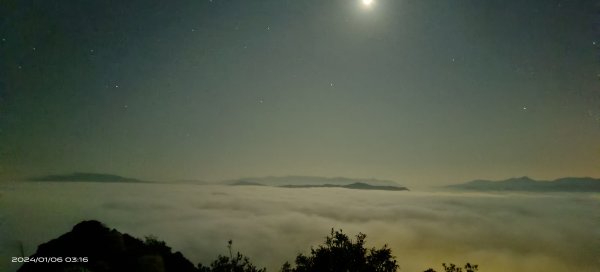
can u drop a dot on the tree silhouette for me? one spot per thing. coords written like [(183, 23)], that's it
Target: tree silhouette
[(340, 253)]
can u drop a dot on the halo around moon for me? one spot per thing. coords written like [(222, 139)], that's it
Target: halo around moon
[(367, 2)]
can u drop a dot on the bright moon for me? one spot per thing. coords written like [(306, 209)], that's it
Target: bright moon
[(367, 2)]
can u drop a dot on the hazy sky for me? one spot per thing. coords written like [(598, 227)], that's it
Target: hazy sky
[(421, 92)]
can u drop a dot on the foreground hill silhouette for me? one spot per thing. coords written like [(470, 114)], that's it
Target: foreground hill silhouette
[(106, 251), (92, 247)]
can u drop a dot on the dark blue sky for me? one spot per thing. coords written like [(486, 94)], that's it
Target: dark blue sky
[(422, 92)]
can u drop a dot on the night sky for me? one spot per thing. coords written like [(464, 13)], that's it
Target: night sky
[(421, 92)]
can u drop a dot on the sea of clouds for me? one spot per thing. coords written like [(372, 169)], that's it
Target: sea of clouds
[(500, 232)]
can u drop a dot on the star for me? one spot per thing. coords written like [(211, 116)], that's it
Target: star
[(524, 107), (268, 28)]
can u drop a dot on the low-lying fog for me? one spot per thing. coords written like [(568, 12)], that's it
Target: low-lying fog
[(500, 232)]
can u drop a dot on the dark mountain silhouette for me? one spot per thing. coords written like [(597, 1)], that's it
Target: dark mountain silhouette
[(86, 177), (310, 180), (356, 185), (569, 184), (105, 250)]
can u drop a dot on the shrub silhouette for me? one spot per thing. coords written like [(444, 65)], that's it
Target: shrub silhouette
[(239, 263), (340, 253), (453, 268)]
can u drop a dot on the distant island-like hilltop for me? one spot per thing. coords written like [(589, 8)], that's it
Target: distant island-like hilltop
[(356, 185), (319, 182), (526, 184)]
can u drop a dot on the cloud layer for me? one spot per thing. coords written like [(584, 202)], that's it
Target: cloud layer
[(508, 232)]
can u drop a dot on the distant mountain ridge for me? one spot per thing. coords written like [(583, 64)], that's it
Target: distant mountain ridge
[(86, 177), (309, 180), (357, 185), (567, 184), (318, 182)]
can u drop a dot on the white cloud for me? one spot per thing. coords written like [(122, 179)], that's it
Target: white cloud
[(516, 232)]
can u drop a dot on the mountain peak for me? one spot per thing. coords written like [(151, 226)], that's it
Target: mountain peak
[(520, 179), (568, 184)]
